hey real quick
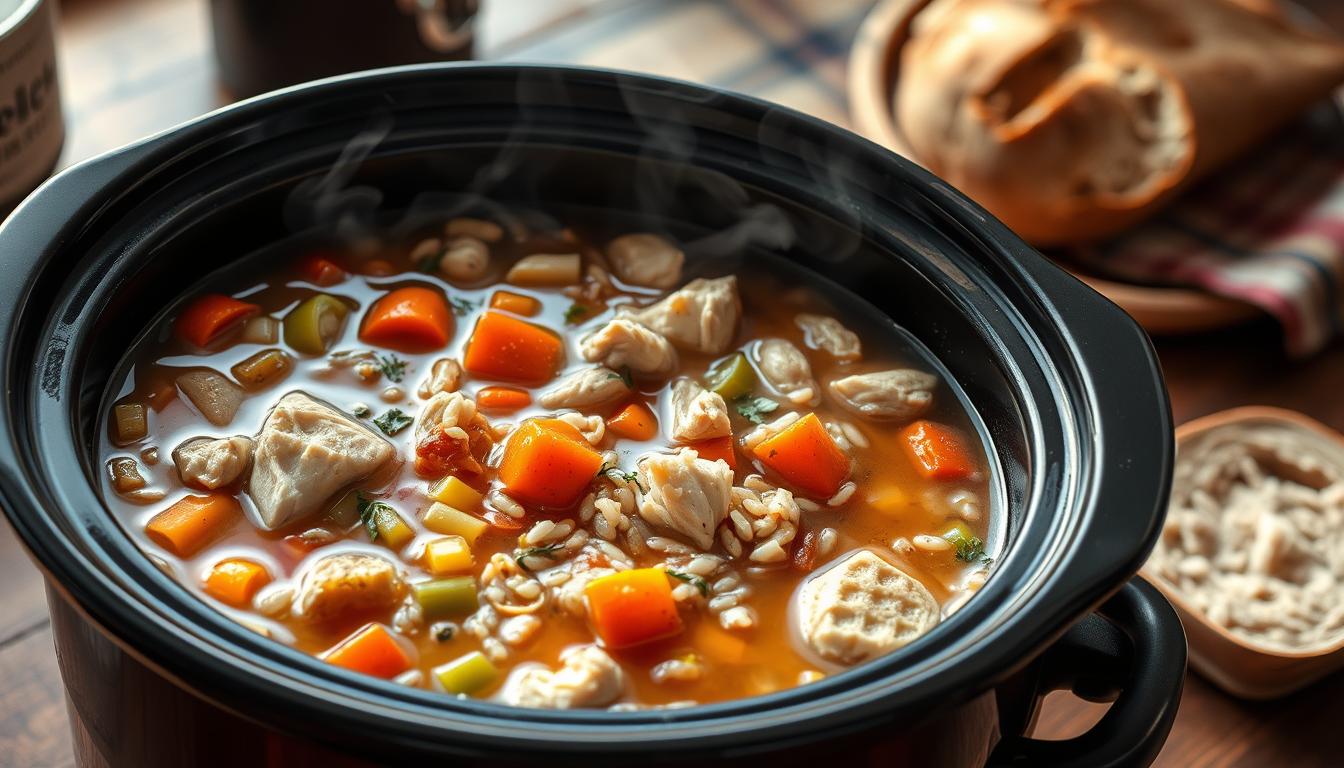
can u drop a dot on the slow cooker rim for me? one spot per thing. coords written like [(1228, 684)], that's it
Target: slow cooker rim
[(951, 201)]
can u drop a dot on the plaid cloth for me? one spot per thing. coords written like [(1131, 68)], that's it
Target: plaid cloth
[(1269, 232)]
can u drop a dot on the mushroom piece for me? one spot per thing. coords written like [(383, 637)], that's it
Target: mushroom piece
[(210, 463), (863, 607), (213, 395), (786, 370), (587, 677), (445, 375), (830, 336), (306, 452), (686, 494), (348, 583), (624, 343), (464, 259), (646, 259), (697, 414), (589, 388), (701, 316), (902, 393)]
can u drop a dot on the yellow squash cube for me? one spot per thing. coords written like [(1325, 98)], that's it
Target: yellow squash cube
[(451, 554), (455, 493), (450, 521)]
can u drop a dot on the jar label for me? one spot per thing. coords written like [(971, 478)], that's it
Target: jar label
[(31, 127)]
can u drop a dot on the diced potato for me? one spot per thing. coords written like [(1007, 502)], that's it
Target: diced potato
[(888, 499), (125, 474), (546, 269), (130, 422), (261, 330), (455, 493), (217, 398), (451, 554), (392, 530), (441, 518), (262, 369)]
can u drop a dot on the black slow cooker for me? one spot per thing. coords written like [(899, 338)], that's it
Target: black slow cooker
[(1066, 383)]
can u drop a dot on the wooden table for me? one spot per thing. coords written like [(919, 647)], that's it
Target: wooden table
[(134, 67)]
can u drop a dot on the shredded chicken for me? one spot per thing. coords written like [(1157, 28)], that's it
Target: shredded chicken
[(445, 375), (345, 584), (902, 393), (686, 494), (308, 450), (787, 371), (647, 260), (863, 607), (210, 463), (697, 414), (624, 343), (589, 388), (587, 677), (451, 436), (830, 336), (701, 316)]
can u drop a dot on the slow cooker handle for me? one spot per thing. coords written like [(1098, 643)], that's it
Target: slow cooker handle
[(1132, 651)]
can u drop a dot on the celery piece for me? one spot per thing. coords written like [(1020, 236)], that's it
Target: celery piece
[(262, 369), (315, 323), (733, 377), (467, 674), (446, 597)]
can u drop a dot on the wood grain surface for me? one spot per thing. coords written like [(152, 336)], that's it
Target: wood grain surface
[(135, 67)]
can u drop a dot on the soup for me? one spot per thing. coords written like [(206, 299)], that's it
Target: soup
[(551, 469)]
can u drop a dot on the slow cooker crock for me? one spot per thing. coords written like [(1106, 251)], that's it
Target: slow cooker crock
[(1066, 384)]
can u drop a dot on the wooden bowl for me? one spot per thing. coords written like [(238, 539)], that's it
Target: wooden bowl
[(873, 64), (1239, 666)]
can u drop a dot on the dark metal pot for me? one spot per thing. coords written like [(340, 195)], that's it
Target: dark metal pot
[(1066, 383)]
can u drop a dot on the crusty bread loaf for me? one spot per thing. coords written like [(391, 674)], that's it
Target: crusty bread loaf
[(1073, 119)]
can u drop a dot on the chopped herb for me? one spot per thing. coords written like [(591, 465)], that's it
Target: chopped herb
[(755, 409), (429, 263), (463, 307), (971, 550), (393, 367), (693, 580), (360, 410), (393, 421), (576, 312), (369, 510), (547, 552), (616, 473), (627, 377)]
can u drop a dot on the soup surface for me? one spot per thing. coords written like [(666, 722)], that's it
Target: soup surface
[(551, 469)]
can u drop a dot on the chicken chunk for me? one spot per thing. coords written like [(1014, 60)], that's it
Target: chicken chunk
[(902, 393), (589, 388), (697, 414), (830, 336), (700, 317), (445, 375), (647, 260), (587, 677), (306, 452), (346, 584), (862, 608), (210, 463), (623, 342), (686, 494), (787, 371), (451, 436)]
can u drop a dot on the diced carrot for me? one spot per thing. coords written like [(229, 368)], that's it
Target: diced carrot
[(806, 456), (211, 315), (320, 270), (635, 421), (632, 607), (937, 451), (502, 399), (504, 347), (716, 644), (410, 319), (235, 581), (193, 522), (548, 462), (378, 268), (516, 303), (372, 650), (716, 448)]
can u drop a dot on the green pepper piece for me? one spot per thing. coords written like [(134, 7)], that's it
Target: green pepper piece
[(733, 377), (446, 597), (467, 674), (315, 323)]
